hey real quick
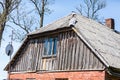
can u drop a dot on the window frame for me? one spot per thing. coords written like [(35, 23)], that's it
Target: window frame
[(48, 51), (61, 79)]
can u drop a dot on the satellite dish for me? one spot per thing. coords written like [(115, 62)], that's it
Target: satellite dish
[(9, 49)]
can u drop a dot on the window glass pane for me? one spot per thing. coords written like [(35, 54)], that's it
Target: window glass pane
[(55, 46), (45, 46), (50, 46)]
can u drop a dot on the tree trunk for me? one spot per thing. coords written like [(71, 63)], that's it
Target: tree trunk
[(2, 27), (3, 18), (42, 14)]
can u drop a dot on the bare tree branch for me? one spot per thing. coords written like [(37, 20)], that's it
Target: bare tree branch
[(23, 22), (80, 9), (2, 5), (36, 6), (8, 7), (91, 8), (41, 8)]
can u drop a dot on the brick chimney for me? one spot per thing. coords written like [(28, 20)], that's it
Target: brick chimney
[(110, 23)]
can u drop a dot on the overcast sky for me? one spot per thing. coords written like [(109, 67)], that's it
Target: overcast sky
[(62, 8)]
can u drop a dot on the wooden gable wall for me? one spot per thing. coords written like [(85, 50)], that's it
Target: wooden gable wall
[(72, 54)]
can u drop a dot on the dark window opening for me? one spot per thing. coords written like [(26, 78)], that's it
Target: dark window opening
[(15, 79), (50, 46), (61, 78), (30, 79)]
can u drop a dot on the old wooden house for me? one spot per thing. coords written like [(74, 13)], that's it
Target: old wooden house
[(71, 48)]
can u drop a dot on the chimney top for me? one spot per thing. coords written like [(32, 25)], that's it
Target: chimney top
[(110, 23)]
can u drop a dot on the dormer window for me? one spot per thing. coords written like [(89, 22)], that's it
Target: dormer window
[(50, 46)]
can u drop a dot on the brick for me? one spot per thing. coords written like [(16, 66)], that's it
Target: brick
[(82, 75)]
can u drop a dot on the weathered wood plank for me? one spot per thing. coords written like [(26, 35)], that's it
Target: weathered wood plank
[(72, 54), (66, 51)]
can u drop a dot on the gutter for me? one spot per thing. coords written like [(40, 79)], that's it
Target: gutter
[(113, 71)]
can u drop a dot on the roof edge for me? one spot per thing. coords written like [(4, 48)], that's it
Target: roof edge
[(7, 66), (91, 47)]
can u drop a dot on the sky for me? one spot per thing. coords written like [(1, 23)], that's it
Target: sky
[(60, 9)]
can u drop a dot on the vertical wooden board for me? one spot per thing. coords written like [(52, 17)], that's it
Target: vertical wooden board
[(57, 54), (21, 62), (51, 62), (25, 60), (61, 48), (39, 54), (18, 64), (47, 65), (30, 58), (33, 58), (44, 64), (87, 58), (70, 54), (102, 65), (76, 54), (94, 62), (75, 39), (41, 60), (26, 57), (55, 64), (81, 56), (40, 63), (73, 51), (84, 55), (90, 59), (32, 55), (40, 48), (16, 67), (36, 52), (63, 51), (66, 51), (59, 51), (62, 54)]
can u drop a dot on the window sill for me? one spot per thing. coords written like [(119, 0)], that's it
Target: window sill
[(49, 56)]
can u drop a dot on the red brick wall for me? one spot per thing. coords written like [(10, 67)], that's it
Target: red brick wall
[(82, 75)]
